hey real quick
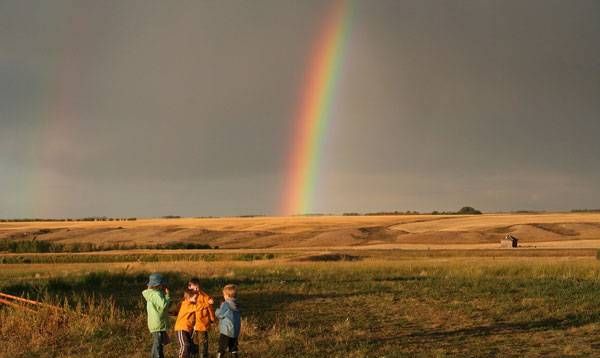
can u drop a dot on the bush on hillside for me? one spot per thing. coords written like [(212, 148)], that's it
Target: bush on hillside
[(467, 210)]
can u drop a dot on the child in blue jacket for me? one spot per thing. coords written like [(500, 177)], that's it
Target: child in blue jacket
[(229, 322)]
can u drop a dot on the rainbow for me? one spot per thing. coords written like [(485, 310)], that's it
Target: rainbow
[(54, 112), (313, 116)]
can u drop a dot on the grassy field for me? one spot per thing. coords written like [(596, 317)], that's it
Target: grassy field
[(375, 304)]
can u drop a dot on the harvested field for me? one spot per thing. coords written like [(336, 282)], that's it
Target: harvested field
[(409, 231)]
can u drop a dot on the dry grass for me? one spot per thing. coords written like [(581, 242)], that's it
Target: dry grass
[(375, 307), (411, 231)]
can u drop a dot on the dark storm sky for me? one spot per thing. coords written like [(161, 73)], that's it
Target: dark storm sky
[(144, 108)]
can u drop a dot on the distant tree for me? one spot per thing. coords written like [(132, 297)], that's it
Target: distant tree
[(467, 210)]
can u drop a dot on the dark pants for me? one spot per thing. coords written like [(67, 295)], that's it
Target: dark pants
[(200, 340), (228, 343), (186, 346), (157, 345)]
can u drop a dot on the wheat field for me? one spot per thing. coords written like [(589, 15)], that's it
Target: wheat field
[(552, 230)]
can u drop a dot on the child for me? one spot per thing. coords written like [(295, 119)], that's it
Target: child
[(157, 300), (184, 325), (205, 316), (229, 322)]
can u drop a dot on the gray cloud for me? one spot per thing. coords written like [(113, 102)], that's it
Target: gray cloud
[(150, 107)]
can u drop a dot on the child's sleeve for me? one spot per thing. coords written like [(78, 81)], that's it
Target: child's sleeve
[(211, 310), (165, 300), (175, 312), (222, 311), (200, 306)]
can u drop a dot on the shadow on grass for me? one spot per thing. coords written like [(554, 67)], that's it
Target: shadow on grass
[(119, 287), (258, 294), (500, 328), (401, 278)]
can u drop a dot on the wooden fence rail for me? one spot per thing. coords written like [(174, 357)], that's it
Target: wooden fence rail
[(23, 303)]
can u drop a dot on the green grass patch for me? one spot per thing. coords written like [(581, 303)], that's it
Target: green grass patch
[(43, 246), (132, 257)]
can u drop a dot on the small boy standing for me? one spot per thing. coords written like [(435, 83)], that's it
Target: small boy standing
[(205, 316), (184, 325), (157, 301), (229, 322)]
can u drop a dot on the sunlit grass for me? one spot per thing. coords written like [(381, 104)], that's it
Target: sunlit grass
[(368, 308)]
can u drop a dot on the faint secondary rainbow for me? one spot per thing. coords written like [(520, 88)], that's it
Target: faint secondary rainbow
[(53, 111), (314, 112)]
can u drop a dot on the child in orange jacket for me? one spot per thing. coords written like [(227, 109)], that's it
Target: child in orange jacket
[(205, 316), (184, 325)]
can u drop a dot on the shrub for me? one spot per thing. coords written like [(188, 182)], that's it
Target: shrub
[(331, 257), (22, 246), (41, 246), (467, 210), (183, 246), (254, 257)]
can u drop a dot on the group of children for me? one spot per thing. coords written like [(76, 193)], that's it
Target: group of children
[(194, 319)]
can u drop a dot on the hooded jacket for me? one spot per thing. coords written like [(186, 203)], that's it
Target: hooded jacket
[(230, 319), (197, 316), (205, 313), (186, 316), (156, 306)]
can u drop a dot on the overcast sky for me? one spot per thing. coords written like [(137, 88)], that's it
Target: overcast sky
[(146, 108)]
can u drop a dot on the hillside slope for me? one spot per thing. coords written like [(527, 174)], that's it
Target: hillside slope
[(407, 231)]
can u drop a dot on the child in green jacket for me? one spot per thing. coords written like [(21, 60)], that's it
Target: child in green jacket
[(157, 301)]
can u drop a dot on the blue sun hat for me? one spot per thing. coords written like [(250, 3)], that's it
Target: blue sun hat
[(156, 279)]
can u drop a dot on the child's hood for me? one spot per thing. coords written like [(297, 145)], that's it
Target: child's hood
[(149, 292), (232, 303), (203, 296)]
